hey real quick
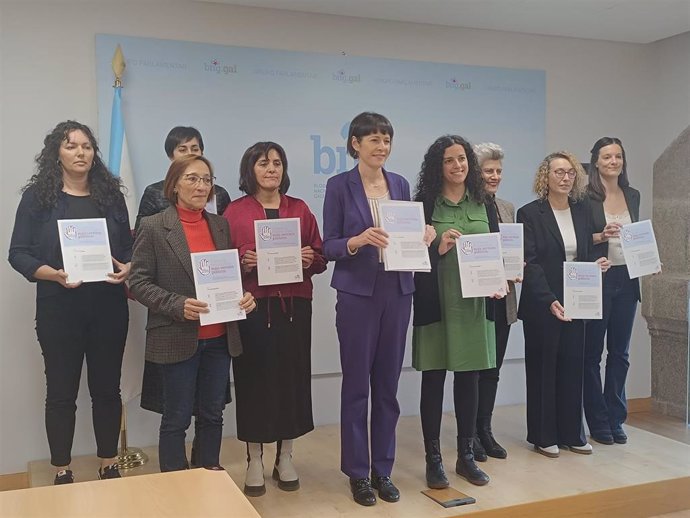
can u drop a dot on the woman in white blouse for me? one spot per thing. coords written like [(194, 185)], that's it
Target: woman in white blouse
[(613, 203), (558, 228)]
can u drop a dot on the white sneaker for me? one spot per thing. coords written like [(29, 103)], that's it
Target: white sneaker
[(548, 451), (586, 449)]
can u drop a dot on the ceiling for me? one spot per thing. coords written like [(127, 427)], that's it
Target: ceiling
[(632, 21)]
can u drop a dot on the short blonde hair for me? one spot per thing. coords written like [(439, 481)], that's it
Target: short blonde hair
[(541, 180)]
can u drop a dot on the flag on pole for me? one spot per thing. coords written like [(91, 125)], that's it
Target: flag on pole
[(119, 165), (118, 157)]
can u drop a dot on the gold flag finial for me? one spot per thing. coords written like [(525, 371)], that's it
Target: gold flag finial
[(118, 65)]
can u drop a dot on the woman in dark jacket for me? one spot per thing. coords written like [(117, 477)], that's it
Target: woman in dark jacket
[(557, 228), (614, 203), (75, 320)]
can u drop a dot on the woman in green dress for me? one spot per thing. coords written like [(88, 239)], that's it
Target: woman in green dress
[(451, 333)]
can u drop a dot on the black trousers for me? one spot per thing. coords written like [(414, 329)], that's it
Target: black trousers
[(89, 321), (554, 358), (488, 378), (465, 396)]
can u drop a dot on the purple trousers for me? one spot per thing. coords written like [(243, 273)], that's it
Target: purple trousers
[(372, 332)]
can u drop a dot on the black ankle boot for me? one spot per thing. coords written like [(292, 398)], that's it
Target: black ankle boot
[(465, 466), (479, 452), (435, 474), (487, 440)]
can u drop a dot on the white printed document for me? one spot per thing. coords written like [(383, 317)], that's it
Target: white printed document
[(85, 249), (278, 251), (640, 249), (404, 223), (218, 282), (481, 265), (582, 290), (512, 247)]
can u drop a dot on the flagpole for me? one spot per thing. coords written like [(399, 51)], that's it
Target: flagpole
[(128, 457)]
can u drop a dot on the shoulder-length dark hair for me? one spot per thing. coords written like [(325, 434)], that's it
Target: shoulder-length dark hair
[(177, 169), (105, 189), (430, 181), (595, 188), (251, 156), (367, 123)]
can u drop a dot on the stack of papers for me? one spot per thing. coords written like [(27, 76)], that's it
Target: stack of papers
[(480, 260), (404, 223), (218, 282), (582, 290), (512, 238), (278, 251), (85, 249), (640, 249)]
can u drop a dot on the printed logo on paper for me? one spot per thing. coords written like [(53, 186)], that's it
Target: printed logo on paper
[(265, 233), (71, 232), (467, 248), (204, 267)]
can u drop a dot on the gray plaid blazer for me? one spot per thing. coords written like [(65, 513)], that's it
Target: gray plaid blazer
[(161, 279), (506, 213)]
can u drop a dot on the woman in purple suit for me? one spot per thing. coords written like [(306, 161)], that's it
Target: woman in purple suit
[(372, 310)]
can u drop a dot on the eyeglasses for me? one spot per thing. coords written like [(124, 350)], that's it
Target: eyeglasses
[(193, 179), (560, 173)]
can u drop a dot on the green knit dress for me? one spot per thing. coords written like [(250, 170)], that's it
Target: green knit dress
[(464, 340)]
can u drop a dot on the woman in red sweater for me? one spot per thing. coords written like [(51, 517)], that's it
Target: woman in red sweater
[(194, 359), (273, 375)]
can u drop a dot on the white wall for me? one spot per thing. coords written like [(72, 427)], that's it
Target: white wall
[(47, 74)]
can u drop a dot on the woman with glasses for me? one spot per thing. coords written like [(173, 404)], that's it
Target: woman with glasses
[(557, 228), (194, 359), (614, 203), (273, 374)]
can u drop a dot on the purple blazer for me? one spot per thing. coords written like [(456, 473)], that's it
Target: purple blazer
[(346, 214)]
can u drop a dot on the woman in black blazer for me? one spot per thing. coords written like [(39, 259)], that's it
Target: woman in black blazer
[(613, 203), (557, 228)]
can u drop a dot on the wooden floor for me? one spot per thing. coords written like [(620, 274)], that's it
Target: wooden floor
[(524, 478)]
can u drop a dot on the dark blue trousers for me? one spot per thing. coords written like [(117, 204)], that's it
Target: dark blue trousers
[(606, 408), (203, 377), (372, 332)]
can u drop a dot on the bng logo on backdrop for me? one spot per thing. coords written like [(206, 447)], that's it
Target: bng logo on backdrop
[(331, 159)]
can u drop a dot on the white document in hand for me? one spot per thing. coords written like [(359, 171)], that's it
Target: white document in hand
[(582, 290), (640, 249), (218, 282), (278, 251), (481, 265), (404, 223), (512, 247), (85, 249)]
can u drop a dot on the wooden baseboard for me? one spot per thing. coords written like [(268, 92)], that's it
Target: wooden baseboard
[(14, 481), (639, 501), (640, 404)]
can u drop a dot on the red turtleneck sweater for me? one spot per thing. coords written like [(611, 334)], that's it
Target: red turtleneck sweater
[(199, 239)]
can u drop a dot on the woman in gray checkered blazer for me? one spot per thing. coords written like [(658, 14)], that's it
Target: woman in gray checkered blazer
[(194, 359)]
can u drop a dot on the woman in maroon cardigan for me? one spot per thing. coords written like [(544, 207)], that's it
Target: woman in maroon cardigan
[(273, 374)]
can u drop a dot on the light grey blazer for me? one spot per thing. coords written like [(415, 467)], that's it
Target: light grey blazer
[(161, 279), (506, 214)]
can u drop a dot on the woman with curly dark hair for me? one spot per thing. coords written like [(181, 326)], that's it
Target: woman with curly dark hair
[(74, 320), (451, 333)]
